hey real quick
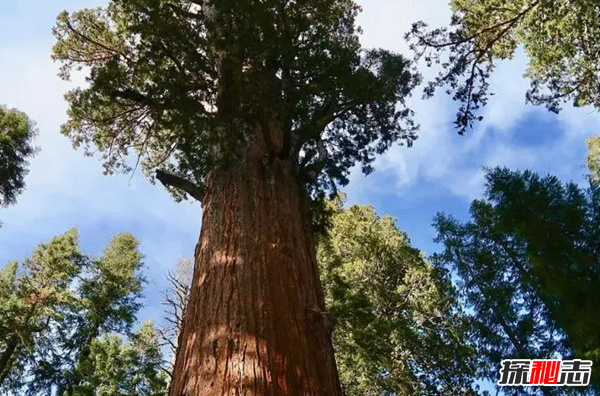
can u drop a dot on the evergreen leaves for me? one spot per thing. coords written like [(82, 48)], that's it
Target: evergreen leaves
[(528, 267), (60, 315), (398, 328), (185, 87), (560, 38)]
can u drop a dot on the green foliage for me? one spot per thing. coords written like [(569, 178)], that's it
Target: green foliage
[(107, 302), (188, 88), (561, 38), (60, 311), (109, 296), (115, 367), (593, 160), (16, 135), (31, 296), (399, 330), (528, 264)]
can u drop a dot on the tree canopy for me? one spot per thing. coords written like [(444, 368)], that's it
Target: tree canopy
[(16, 148), (183, 89), (398, 327), (188, 86), (560, 37), (528, 266), (124, 368), (63, 316), (32, 295)]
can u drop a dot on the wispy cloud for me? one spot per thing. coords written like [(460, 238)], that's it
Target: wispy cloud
[(442, 157)]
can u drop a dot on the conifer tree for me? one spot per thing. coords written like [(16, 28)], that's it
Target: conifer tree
[(59, 303), (257, 109), (125, 368), (398, 327), (528, 265), (32, 295)]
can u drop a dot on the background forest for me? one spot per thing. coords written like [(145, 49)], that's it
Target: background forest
[(453, 254)]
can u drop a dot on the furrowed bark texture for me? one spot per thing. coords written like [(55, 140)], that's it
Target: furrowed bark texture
[(253, 325)]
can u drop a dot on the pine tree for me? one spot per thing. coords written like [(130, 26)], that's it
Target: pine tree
[(255, 109), (107, 302), (31, 296), (58, 303), (124, 368)]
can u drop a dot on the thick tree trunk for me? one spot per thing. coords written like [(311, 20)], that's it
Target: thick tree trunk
[(254, 324)]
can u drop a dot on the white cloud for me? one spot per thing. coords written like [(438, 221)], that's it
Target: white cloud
[(440, 156)]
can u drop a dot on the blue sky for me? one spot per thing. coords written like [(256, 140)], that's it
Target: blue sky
[(442, 172)]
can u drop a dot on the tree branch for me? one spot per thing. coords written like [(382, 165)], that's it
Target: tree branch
[(323, 117), (133, 95), (510, 22), (314, 170), (170, 180)]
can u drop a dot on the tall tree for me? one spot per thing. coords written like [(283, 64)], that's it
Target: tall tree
[(252, 108), (31, 296), (116, 367), (108, 293), (398, 329), (109, 302), (528, 264), (16, 134), (57, 304), (560, 37)]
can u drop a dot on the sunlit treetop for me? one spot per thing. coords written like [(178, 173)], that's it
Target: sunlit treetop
[(560, 37), (190, 86)]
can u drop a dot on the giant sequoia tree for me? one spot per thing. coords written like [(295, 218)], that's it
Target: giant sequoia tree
[(397, 329), (255, 108)]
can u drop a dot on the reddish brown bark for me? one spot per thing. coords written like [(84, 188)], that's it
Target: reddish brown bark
[(252, 325)]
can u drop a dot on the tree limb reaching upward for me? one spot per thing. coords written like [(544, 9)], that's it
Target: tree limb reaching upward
[(170, 180)]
